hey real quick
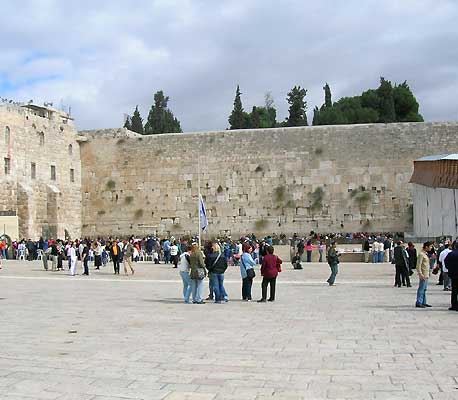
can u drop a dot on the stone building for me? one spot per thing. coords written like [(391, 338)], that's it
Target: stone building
[(347, 178), (435, 196), (40, 178)]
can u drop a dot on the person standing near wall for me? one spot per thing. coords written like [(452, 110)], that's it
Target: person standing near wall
[(309, 249), (174, 254), (402, 265), (445, 278), (366, 249), (73, 257), (115, 252), (333, 261), (423, 275), (85, 257)]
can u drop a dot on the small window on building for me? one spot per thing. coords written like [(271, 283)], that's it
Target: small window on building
[(53, 172), (7, 135), (41, 135), (188, 184), (7, 166), (72, 175), (70, 149), (33, 170)]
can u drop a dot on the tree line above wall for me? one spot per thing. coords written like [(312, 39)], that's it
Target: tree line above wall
[(385, 104)]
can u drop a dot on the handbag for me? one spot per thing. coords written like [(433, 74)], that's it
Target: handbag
[(200, 273), (250, 273)]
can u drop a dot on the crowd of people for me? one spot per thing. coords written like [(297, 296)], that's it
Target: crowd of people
[(195, 264)]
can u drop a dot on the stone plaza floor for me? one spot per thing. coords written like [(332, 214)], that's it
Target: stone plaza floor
[(107, 337)]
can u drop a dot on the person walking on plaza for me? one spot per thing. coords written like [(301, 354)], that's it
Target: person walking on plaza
[(197, 274), (216, 263), (402, 265), (333, 261), (128, 251), (451, 263), (73, 257), (423, 275), (247, 271), (184, 267), (271, 266)]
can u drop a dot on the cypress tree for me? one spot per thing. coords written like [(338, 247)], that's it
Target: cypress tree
[(136, 122), (127, 123), (297, 107), (327, 96), (237, 119), (160, 118)]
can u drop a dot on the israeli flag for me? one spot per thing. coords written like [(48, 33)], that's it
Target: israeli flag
[(203, 214)]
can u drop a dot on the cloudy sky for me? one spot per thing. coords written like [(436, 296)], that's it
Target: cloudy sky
[(104, 57)]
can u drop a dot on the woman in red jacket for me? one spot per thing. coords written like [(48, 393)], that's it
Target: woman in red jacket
[(271, 266)]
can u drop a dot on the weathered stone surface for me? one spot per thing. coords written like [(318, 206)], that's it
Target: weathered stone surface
[(274, 180), (44, 206)]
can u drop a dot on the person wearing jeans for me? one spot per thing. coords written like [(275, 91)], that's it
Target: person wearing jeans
[(184, 268), (246, 263), (216, 264), (423, 274), (196, 261), (333, 261)]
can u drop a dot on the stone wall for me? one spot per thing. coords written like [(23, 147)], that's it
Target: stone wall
[(45, 137), (327, 178)]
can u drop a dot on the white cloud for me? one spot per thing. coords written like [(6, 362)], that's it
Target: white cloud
[(103, 58)]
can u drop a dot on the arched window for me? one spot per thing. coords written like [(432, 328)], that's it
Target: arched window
[(41, 135), (7, 135), (70, 149)]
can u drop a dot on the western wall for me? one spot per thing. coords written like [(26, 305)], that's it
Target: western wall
[(328, 178), (40, 178)]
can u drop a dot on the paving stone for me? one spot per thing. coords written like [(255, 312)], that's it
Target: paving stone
[(136, 339)]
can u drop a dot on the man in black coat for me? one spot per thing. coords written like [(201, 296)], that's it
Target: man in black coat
[(402, 265), (451, 263)]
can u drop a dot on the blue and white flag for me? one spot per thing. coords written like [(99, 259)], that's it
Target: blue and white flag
[(203, 214)]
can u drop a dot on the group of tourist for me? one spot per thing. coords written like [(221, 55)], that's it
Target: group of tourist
[(195, 265)]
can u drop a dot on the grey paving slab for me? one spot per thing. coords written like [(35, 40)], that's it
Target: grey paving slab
[(108, 337)]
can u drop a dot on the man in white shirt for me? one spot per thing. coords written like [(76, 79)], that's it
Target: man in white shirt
[(73, 259), (174, 254), (442, 255)]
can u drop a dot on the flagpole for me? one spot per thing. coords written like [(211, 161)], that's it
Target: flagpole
[(198, 199)]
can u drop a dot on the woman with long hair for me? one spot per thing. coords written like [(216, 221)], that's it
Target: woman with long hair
[(198, 273)]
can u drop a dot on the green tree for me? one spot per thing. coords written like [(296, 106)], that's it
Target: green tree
[(160, 118), (238, 118), (127, 123), (297, 107), (327, 96), (385, 93), (405, 104), (136, 122)]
